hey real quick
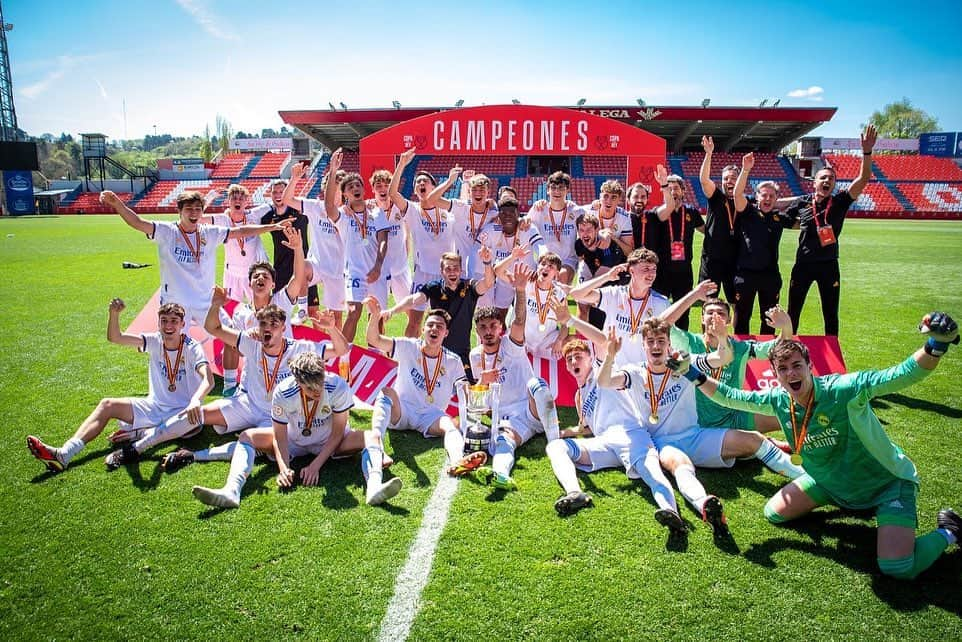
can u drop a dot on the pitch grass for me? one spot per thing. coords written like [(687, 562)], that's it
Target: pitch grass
[(130, 554)]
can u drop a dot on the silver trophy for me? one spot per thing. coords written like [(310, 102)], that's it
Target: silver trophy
[(474, 402)]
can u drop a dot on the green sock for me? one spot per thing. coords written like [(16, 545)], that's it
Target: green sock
[(928, 548)]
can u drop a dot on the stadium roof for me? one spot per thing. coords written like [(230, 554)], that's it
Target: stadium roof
[(733, 128)]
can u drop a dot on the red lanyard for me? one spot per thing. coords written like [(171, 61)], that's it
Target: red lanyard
[(671, 230), (828, 206)]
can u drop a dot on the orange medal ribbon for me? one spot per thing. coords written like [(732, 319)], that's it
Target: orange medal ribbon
[(636, 319), (269, 382), (172, 370), (194, 251), (309, 412), (798, 436), (432, 381), (655, 399), (558, 226)]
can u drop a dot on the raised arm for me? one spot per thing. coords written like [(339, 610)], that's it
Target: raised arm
[(289, 198), (114, 334), (869, 136), (408, 302), (332, 191), (704, 174), (519, 280), (607, 379), (299, 278), (373, 334), (587, 292), (393, 190), (748, 162), (502, 269), (212, 322), (590, 332), (487, 282), (778, 318), (680, 307), (668, 204), (246, 231), (436, 195), (130, 217)]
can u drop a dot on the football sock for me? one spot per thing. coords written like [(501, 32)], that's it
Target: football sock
[(223, 452), (503, 460), (650, 471), (547, 410), (372, 458), (381, 415), (70, 449), (562, 454), (454, 445), (778, 460), (175, 427), (690, 488), (928, 548), (241, 465)]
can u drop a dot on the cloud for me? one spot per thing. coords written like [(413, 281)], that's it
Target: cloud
[(813, 93), (103, 92), (205, 18), (63, 64)]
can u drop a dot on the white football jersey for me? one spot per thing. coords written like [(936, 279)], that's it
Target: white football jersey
[(411, 384), (187, 379), (626, 315), (259, 381), (359, 231), (240, 254), (540, 333), (501, 245), (468, 226), (558, 229), (396, 259), (325, 243), (432, 234), (514, 372), (287, 408), (619, 224), (602, 408), (676, 406), (243, 318), (187, 262)]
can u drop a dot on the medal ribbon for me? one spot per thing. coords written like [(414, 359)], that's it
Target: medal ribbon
[(362, 225), (195, 252), (435, 227), (558, 226), (655, 400), (430, 382), (484, 359), (309, 411), (269, 382), (172, 371), (798, 436), (636, 319), (730, 210), (542, 308), (240, 240), (475, 230)]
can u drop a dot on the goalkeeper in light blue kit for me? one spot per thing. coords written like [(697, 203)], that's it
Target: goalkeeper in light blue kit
[(849, 460)]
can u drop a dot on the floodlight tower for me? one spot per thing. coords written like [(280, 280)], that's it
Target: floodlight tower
[(8, 114)]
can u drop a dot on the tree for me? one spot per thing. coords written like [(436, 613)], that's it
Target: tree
[(206, 150), (901, 120), (224, 132)]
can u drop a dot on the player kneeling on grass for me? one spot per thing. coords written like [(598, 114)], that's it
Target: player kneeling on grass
[(427, 373), (848, 458), (666, 403), (179, 379), (526, 405), (310, 417)]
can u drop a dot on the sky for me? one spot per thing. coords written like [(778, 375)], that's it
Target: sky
[(121, 68)]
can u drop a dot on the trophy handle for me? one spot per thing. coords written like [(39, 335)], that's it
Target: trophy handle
[(461, 388), (495, 400)]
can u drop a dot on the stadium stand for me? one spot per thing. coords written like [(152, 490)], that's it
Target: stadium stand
[(89, 203)]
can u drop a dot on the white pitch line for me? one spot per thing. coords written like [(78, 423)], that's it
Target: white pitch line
[(406, 600)]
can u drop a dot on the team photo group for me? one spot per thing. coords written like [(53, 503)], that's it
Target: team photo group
[(605, 289)]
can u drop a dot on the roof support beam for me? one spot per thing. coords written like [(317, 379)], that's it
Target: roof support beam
[(678, 144), (747, 129)]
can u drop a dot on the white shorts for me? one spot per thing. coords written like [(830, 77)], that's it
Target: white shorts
[(702, 445), (238, 287), (295, 449), (240, 413), (333, 285), (520, 420), (615, 448), (356, 289), (420, 278), (417, 417), (149, 413), (401, 283)]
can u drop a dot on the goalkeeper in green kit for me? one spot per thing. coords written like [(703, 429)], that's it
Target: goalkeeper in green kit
[(849, 460)]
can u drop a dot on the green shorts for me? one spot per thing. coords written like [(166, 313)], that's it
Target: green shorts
[(895, 503)]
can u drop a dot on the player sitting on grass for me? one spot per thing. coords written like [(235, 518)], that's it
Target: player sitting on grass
[(427, 373), (526, 405), (267, 359), (848, 458), (309, 413), (179, 379), (666, 403)]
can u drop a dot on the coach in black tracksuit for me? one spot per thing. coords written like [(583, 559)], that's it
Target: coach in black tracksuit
[(820, 218), (720, 251), (679, 222)]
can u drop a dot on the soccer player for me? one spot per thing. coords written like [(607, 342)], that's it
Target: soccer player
[(608, 434), (325, 259), (542, 336), (509, 244), (266, 362), (456, 296), (309, 416), (240, 253), (675, 276), (179, 378), (556, 222), (283, 255), (526, 405), (848, 458), (186, 250), (615, 221), (820, 217), (667, 406), (396, 266), (426, 377), (626, 306), (432, 236), (720, 249), (759, 232)]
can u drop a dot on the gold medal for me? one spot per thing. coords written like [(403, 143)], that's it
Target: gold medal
[(306, 432), (796, 459), (172, 387), (653, 419), (633, 338), (541, 327), (325, 409), (430, 398), (173, 369)]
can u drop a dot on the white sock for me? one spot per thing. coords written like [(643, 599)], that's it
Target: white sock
[(70, 449), (230, 378), (241, 465), (175, 427), (650, 470), (547, 410), (454, 445), (503, 460), (689, 487), (381, 415), (224, 452), (563, 464), (778, 460), (372, 462)]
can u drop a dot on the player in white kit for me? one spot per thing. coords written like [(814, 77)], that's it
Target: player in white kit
[(431, 231), (426, 377), (556, 222), (526, 405), (396, 263), (509, 244), (309, 416), (542, 335), (179, 379), (187, 250), (240, 253)]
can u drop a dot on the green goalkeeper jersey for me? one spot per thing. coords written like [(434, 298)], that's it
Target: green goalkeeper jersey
[(711, 414), (846, 450)]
